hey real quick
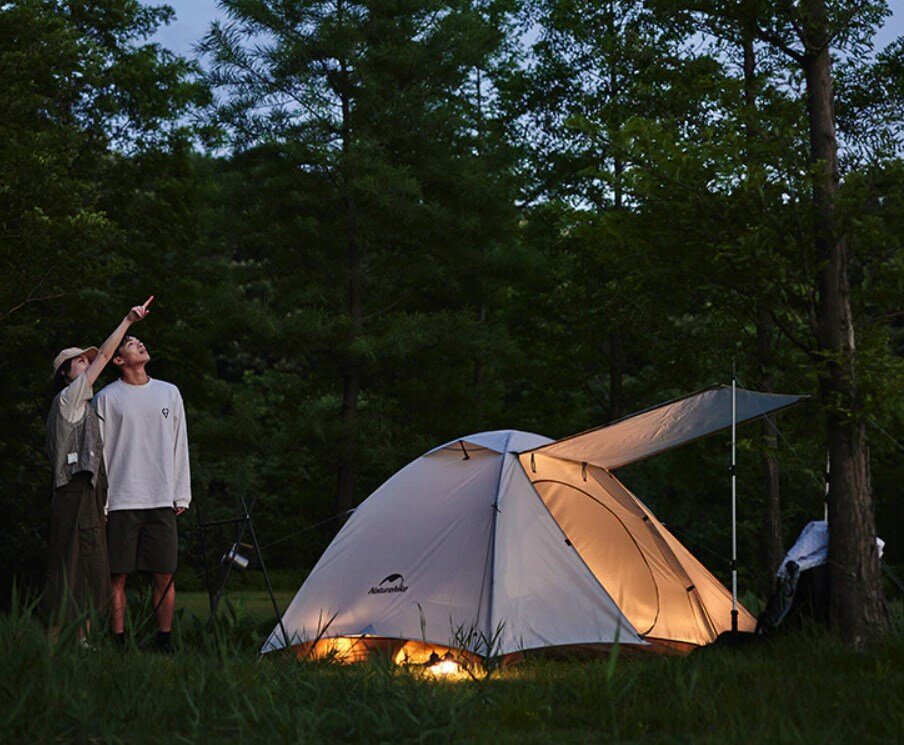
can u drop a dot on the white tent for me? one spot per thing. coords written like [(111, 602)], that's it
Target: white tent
[(507, 541)]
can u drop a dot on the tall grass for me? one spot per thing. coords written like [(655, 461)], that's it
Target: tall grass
[(800, 689)]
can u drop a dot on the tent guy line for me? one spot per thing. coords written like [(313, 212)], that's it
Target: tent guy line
[(309, 527), (820, 482)]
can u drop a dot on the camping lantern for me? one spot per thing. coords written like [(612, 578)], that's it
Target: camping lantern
[(232, 556), (443, 666)]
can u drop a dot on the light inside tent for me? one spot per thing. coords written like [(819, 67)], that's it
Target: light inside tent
[(339, 649), (342, 646), (438, 660), (445, 667)]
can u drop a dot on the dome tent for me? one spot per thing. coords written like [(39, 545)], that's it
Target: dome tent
[(503, 542)]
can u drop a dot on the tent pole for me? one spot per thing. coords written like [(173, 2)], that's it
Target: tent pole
[(734, 508)]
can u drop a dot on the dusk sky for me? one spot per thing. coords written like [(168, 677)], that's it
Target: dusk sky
[(194, 16)]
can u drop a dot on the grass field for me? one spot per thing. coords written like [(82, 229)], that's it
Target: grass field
[(253, 603), (801, 689)]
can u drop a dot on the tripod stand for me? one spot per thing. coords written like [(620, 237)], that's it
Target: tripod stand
[(233, 558)]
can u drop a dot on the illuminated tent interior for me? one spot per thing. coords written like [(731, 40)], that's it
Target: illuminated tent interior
[(506, 542)]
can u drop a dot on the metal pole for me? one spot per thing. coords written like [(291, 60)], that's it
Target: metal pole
[(202, 547), (734, 504), (240, 534), (260, 557)]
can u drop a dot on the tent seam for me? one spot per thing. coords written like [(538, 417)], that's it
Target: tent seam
[(576, 552), (492, 562)]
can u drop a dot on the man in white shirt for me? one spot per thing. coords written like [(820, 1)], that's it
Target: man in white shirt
[(146, 454)]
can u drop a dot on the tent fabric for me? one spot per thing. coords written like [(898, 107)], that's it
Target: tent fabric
[(660, 587), (544, 594), (499, 441), (665, 427), (478, 528), (388, 575)]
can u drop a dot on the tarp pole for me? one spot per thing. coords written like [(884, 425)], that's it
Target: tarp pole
[(734, 505)]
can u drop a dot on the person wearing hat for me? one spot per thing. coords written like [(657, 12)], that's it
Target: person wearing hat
[(78, 579)]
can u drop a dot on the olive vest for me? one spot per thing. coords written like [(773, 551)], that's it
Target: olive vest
[(74, 446)]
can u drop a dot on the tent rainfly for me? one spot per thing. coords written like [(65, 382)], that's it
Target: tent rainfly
[(505, 542)]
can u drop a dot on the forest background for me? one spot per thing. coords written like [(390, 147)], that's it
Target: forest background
[(372, 227)]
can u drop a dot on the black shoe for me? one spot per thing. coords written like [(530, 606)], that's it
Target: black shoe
[(164, 644)]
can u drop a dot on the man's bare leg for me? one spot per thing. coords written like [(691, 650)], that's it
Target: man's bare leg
[(165, 607), (118, 613)]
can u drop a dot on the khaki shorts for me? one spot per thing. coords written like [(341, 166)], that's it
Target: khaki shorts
[(143, 541)]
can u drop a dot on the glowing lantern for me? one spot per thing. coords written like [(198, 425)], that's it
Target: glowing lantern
[(445, 667)]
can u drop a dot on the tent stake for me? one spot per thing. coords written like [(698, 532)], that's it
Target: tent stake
[(734, 507)]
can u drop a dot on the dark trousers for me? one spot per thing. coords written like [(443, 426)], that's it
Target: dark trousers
[(78, 580)]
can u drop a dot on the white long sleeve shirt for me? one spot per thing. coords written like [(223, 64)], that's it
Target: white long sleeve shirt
[(145, 445)]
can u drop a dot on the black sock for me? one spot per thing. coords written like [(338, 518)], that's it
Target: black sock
[(120, 639), (164, 638)]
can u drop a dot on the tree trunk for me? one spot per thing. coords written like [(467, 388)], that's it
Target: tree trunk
[(479, 367), (477, 379), (345, 494), (351, 376), (616, 378), (616, 348), (772, 542), (857, 604)]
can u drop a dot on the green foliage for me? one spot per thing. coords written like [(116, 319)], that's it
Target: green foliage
[(672, 204), (369, 209), (93, 160), (540, 239)]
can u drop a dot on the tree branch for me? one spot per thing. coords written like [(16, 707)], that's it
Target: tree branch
[(31, 297), (770, 36), (793, 337), (841, 27)]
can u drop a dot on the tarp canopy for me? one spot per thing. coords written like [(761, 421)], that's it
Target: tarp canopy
[(664, 427)]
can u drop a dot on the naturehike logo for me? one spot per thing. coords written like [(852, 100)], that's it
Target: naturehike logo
[(392, 583), (165, 413)]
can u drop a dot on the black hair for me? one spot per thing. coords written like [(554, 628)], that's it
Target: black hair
[(61, 376), (121, 344)]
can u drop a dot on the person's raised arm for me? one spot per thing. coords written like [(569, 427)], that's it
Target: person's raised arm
[(108, 349)]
